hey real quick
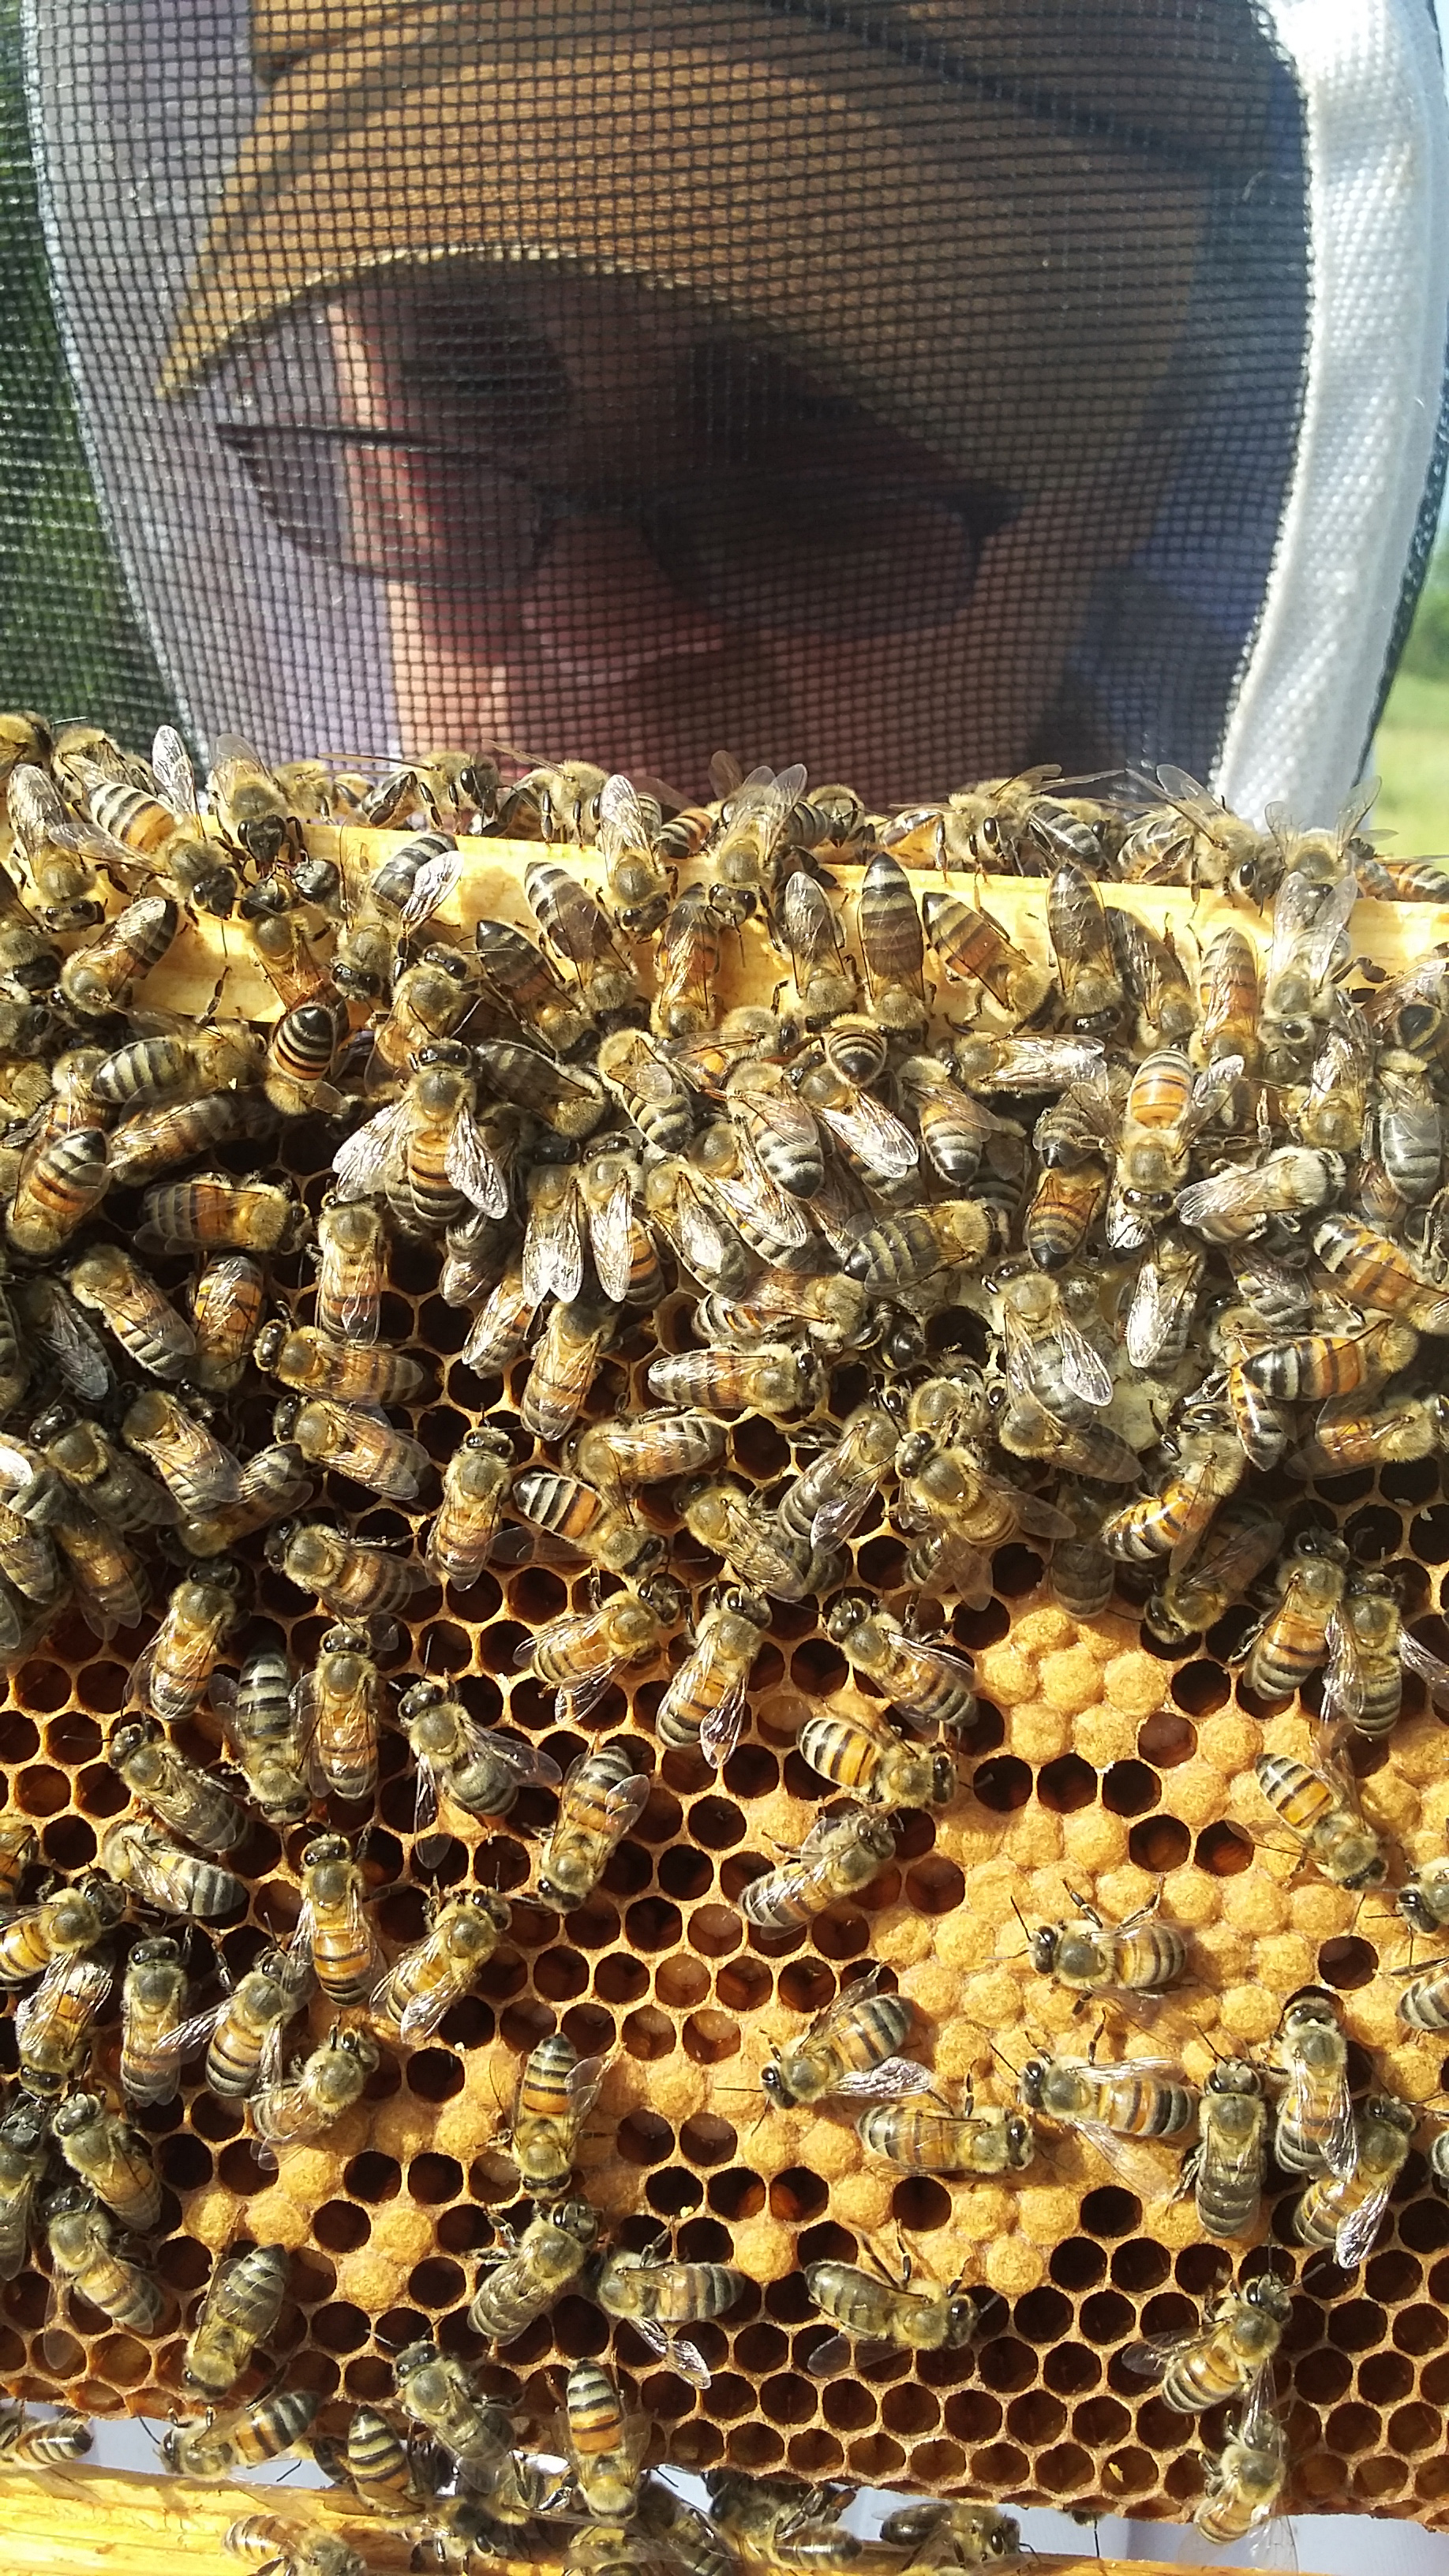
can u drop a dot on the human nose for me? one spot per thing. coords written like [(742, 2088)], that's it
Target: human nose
[(604, 606)]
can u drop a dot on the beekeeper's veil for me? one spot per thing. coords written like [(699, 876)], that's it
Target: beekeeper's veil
[(1179, 266)]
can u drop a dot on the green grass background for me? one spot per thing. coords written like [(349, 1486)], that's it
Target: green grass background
[(1411, 747)]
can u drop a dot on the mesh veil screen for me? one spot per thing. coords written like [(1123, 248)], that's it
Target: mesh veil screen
[(801, 378)]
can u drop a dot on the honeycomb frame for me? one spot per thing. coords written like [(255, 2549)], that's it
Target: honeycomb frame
[(1101, 1765)]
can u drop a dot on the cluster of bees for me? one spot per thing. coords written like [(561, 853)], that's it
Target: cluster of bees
[(1102, 1235)]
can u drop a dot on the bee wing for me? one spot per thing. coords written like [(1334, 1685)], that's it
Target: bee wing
[(473, 1168), (1138, 2169), (1085, 1373), (73, 1347), (1340, 2151), (611, 1239), (553, 1252), (1308, 922), (530, 1767), (681, 2355), (1160, 1301), (86, 1980), (707, 1239), (425, 1801), (875, 1134), (758, 1196), (175, 776), (190, 2035), (431, 888), (1357, 2231), (621, 820), (1345, 1690), (1223, 1195), (891, 2081), (58, 2333), (844, 1511), (307, 1709), (958, 1567), (828, 2357), (373, 1156), (626, 1800), (720, 1732), (1152, 2358), (811, 930), (421, 2017), (1418, 1659)]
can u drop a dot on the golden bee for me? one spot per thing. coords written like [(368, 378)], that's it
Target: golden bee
[(600, 1799), (243, 2035), (923, 2134), (65, 1924), (339, 1706), (1318, 1802), (211, 1212), (1369, 1270), (874, 2310), (566, 1360), (643, 1449), (656, 2296), (1207, 1467), (850, 2049), (600, 1531), (354, 1441), (349, 1370), (226, 1312), (140, 1858), (187, 1799), (605, 2444), (441, 2394), (839, 1856), (556, 2091), (476, 1481), (1224, 2170), (48, 2445), (1244, 2480), (244, 2440), (580, 1654), (972, 947), (353, 1579), (144, 1321), (459, 1759), (153, 2010), (56, 1189), (1139, 1956), (171, 1677), (351, 1270), (705, 1707), (332, 1933), (1343, 2212), (110, 2157), (426, 1980), (305, 2103), (1113, 2107), (1238, 2336), (525, 2277), (860, 1755), (83, 2256)]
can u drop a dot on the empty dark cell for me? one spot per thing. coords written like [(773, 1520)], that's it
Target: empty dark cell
[(1106, 2317), (1071, 2367), (1198, 1688), (645, 2139), (368, 2381), (241, 2169), (1077, 2264), (1352, 2428), (1392, 2275), (435, 2075), (648, 2033), (463, 2230), (590, 2029), (183, 2264), (706, 2139), (1065, 1785), (827, 2243), (910, 2409), (1003, 1784), (620, 1979), (1130, 1788), (629, 1870), (977, 1628), (728, 2395), (673, 2191), (1042, 2315), (42, 1791), (696, 2445), (185, 2163), (1159, 1843), (788, 2399), (340, 2225), (467, 2024), (751, 1772), (1100, 2421), (1386, 2377), (685, 1873), (737, 2194), (660, 1819), (434, 2180), (1005, 2365), (972, 2415), (879, 1563), (559, 1975), (754, 2447), (1322, 2376), (342, 2328), (1140, 2266), (74, 1738), (743, 1985), (100, 1791), (807, 1985), (19, 1738), (1347, 1962), (847, 2405), (1424, 2226), (920, 2203), (761, 2348), (1001, 2465), (1373, 1533), (716, 1823), (1357, 2326), (214, 2119), (934, 1885), (842, 1933), (1429, 1535), (436, 2284), (1110, 2211), (1065, 2471), (1036, 2417), (525, 2023), (797, 2196), (1224, 1849), (1128, 2473), (818, 1668)]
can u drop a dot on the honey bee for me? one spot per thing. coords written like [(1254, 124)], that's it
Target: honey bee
[(56, 1190), (600, 1531), (459, 1759), (771, 2523), (892, 944), (656, 2296), (265, 2431), (903, 1252), (686, 962), (1236, 2341), (425, 1981), (1318, 1802), (155, 1139), (1424, 2002), (626, 1262), (834, 1313), (648, 1088), (177, 1066), (1139, 1956), (1047, 1356), (578, 933), (186, 1799), (140, 1858), (750, 834), (1309, 922), (1206, 1467), (1243, 2482), (859, 1754), (66, 1922), (831, 1085), (226, 1311), (501, 1326), (1345, 2211), (18, 1843), (248, 803), (1292, 1641), (171, 1676), (58, 851), (64, 2437), (110, 2157), (524, 2278), (211, 1212), (774, 1379), (475, 1487), (605, 2444), (338, 1707), (427, 1004), (84, 2261), (556, 2091), (288, 2549), (351, 1269), (704, 1708), (354, 1441), (579, 1654), (1234, 1206), (643, 1449), (1166, 1108), (759, 1552), (107, 1577), (955, 1129), (637, 883), (332, 1931), (262, 1725), (1092, 990), (682, 1205), (386, 2472), (1113, 2107), (972, 946), (1241, 1541), (244, 2033), (153, 2010), (1314, 2125), (318, 2091), (352, 1579), (275, 932), (874, 2310), (922, 2134), (952, 2535), (964, 1512), (1224, 2171), (426, 1153), (525, 982), (566, 1360), (1371, 1271), (850, 2049), (601, 1798), (24, 2140), (839, 1856), (352, 1372), (824, 976)]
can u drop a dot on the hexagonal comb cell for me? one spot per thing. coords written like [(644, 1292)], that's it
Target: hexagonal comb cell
[(1102, 1769)]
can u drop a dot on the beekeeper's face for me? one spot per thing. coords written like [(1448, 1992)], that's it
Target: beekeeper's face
[(611, 528)]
